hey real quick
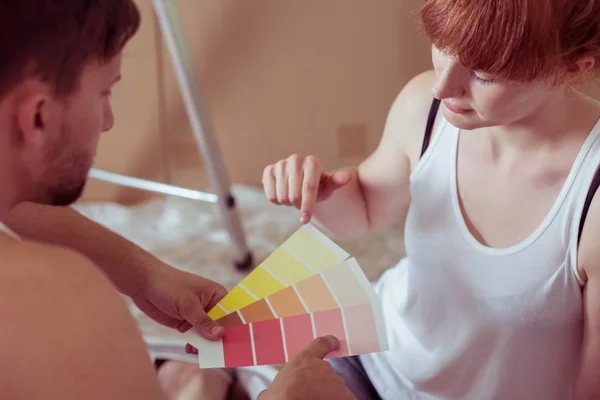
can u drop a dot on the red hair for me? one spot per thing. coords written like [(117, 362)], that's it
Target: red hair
[(519, 40)]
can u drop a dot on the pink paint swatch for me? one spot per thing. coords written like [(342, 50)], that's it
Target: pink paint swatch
[(268, 342), (237, 346), (330, 323), (298, 333)]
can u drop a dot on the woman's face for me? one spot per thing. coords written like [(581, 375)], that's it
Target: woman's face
[(475, 100)]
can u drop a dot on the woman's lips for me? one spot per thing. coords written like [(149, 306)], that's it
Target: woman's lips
[(455, 109)]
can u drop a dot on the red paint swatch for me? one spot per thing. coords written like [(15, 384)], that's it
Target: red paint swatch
[(268, 342), (330, 323), (237, 346), (298, 333)]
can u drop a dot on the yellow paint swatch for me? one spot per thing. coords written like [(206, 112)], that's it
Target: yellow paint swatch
[(286, 267), (315, 249), (236, 299), (305, 253), (217, 313), (262, 284)]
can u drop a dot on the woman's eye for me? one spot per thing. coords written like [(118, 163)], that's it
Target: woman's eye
[(483, 81)]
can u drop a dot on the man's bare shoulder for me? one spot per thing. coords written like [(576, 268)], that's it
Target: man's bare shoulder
[(67, 333), (38, 262)]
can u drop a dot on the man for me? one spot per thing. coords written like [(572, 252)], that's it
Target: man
[(66, 333)]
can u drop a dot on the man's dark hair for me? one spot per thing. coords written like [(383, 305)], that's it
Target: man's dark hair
[(53, 40)]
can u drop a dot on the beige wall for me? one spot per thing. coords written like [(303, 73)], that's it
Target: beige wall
[(279, 77)]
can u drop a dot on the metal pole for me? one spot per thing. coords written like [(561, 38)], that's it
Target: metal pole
[(152, 186), (170, 24)]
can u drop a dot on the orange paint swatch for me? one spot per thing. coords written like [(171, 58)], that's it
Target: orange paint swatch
[(286, 303), (257, 312), (229, 320), (316, 295)]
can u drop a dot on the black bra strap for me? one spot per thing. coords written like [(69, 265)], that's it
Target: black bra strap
[(429, 128), (588, 200)]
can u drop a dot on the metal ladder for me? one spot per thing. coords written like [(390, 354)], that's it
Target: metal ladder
[(171, 27)]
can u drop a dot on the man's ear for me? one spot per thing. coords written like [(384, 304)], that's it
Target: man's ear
[(33, 114)]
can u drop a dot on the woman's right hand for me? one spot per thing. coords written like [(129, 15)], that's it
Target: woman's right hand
[(301, 182)]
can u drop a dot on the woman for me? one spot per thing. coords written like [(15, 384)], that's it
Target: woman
[(498, 296), (494, 295)]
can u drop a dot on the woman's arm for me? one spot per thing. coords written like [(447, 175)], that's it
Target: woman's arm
[(379, 190), (588, 382), (359, 200)]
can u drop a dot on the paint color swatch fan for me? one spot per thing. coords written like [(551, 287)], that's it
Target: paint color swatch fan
[(307, 288)]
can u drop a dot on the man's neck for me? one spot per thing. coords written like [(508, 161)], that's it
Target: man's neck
[(10, 192)]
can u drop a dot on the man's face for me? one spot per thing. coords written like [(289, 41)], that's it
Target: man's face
[(72, 132)]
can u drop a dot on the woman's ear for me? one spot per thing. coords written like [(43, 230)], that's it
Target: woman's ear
[(576, 70)]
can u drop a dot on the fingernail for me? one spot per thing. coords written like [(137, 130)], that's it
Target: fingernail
[(216, 330), (335, 342), (304, 217)]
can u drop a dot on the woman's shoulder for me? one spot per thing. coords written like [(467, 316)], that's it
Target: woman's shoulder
[(410, 111), (414, 100)]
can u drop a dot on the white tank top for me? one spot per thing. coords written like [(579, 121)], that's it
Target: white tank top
[(466, 321)]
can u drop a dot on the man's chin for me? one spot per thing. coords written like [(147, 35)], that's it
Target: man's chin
[(65, 197)]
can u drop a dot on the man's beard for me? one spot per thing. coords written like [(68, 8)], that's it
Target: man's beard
[(66, 194), (64, 181)]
